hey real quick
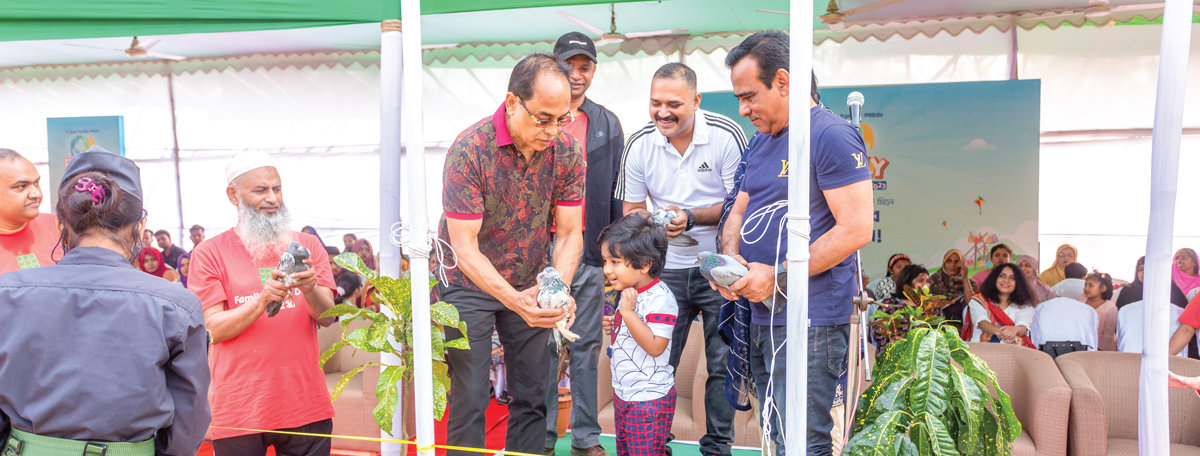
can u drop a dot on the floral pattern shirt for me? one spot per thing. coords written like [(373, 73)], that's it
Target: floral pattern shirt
[(486, 178)]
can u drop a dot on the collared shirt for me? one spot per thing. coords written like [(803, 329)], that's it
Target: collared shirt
[(698, 178), (171, 256), (94, 349), (838, 159), (31, 247), (268, 377), (486, 178)]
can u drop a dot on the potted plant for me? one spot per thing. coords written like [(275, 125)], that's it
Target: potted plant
[(931, 395), (396, 296)]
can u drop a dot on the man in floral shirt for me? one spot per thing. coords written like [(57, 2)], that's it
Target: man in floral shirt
[(506, 178)]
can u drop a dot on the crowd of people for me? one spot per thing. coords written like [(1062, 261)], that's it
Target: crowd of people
[(549, 179)]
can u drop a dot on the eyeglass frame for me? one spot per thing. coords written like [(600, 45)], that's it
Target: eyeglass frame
[(544, 124)]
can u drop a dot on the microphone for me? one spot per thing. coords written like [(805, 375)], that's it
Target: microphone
[(855, 102)]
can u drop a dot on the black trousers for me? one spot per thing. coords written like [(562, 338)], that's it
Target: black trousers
[(285, 444), (528, 358)]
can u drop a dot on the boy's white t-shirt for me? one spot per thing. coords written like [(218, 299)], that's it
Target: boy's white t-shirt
[(637, 376)]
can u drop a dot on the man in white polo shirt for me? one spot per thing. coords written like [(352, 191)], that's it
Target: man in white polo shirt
[(684, 160)]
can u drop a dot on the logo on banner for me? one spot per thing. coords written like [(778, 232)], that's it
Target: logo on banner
[(878, 164), (879, 185), (81, 144)]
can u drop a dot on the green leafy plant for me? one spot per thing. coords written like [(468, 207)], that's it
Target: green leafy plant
[(894, 323), (931, 395), (396, 294)]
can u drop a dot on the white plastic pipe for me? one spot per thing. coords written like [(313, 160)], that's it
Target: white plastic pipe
[(390, 74), (800, 56), (422, 366), (1153, 412)]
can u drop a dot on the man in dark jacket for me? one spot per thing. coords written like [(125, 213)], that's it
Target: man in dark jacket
[(599, 133)]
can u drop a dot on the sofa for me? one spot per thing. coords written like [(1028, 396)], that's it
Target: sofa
[(353, 410), (1104, 404), (1041, 398), (690, 376)]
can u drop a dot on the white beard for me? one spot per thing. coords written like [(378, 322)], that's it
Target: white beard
[(264, 236)]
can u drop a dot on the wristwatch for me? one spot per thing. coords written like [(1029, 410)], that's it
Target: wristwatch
[(691, 222)]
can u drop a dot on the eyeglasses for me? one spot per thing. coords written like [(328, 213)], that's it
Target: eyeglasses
[(544, 124)]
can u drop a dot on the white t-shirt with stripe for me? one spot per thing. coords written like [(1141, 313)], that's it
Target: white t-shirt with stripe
[(637, 376), (700, 177)]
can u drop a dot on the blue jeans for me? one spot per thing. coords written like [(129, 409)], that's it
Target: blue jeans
[(826, 348), (695, 298)]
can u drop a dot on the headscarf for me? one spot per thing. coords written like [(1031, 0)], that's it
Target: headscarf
[(1055, 273), (1185, 282), (369, 258), (941, 283), (314, 233), (162, 265), (1038, 290), (183, 278)]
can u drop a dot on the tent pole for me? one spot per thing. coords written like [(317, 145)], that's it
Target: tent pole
[(800, 56), (175, 151), (390, 77), (1153, 412), (419, 231)]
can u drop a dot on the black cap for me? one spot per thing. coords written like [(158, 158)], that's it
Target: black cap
[(573, 44), (122, 170)]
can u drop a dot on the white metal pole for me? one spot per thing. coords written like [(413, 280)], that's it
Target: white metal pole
[(410, 10), (1153, 413), (800, 57), (390, 77)]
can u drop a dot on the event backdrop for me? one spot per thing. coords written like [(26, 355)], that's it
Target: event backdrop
[(954, 165), (71, 136)]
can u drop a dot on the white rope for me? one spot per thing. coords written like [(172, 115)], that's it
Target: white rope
[(401, 237)]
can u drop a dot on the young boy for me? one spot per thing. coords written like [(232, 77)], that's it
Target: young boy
[(634, 251)]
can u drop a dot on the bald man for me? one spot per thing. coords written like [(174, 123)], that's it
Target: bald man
[(27, 236)]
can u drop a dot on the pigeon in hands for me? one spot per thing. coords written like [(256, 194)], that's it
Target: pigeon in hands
[(553, 293), (291, 262), (662, 217), (724, 270)]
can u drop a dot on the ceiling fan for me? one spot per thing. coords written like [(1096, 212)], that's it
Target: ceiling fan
[(834, 15), (138, 49), (612, 36)]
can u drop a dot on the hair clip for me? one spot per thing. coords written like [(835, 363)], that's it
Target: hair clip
[(87, 185)]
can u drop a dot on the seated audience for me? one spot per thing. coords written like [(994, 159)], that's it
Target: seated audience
[(952, 283), (337, 270), (313, 231), (1066, 254), (887, 285), (1039, 291), (1071, 286), (1098, 293), (913, 275), (1002, 311), (1186, 333), (999, 254), (1064, 320), (170, 251), (152, 263), (1184, 273), (1133, 292), (196, 234), (1129, 327), (349, 239), (363, 248), (185, 263), (349, 289)]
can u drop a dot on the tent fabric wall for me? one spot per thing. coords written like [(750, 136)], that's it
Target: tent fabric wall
[(321, 122)]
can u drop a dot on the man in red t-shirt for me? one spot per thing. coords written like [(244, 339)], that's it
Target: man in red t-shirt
[(265, 369), (27, 237)]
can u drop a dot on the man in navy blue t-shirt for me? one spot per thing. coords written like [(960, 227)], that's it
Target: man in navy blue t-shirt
[(840, 208)]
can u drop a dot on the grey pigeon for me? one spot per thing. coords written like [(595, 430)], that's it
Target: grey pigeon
[(723, 270), (291, 262), (662, 217), (553, 293)]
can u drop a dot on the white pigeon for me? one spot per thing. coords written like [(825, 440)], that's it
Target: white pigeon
[(662, 217), (553, 293)]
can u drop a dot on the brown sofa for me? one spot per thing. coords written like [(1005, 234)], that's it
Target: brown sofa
[(689, 424), (353, 409), (1040, 396), (1104, 404)]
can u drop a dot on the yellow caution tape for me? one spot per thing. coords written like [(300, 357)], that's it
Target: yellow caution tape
[(375, 439)]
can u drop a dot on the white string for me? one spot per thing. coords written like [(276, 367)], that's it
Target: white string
[(401, 237)]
